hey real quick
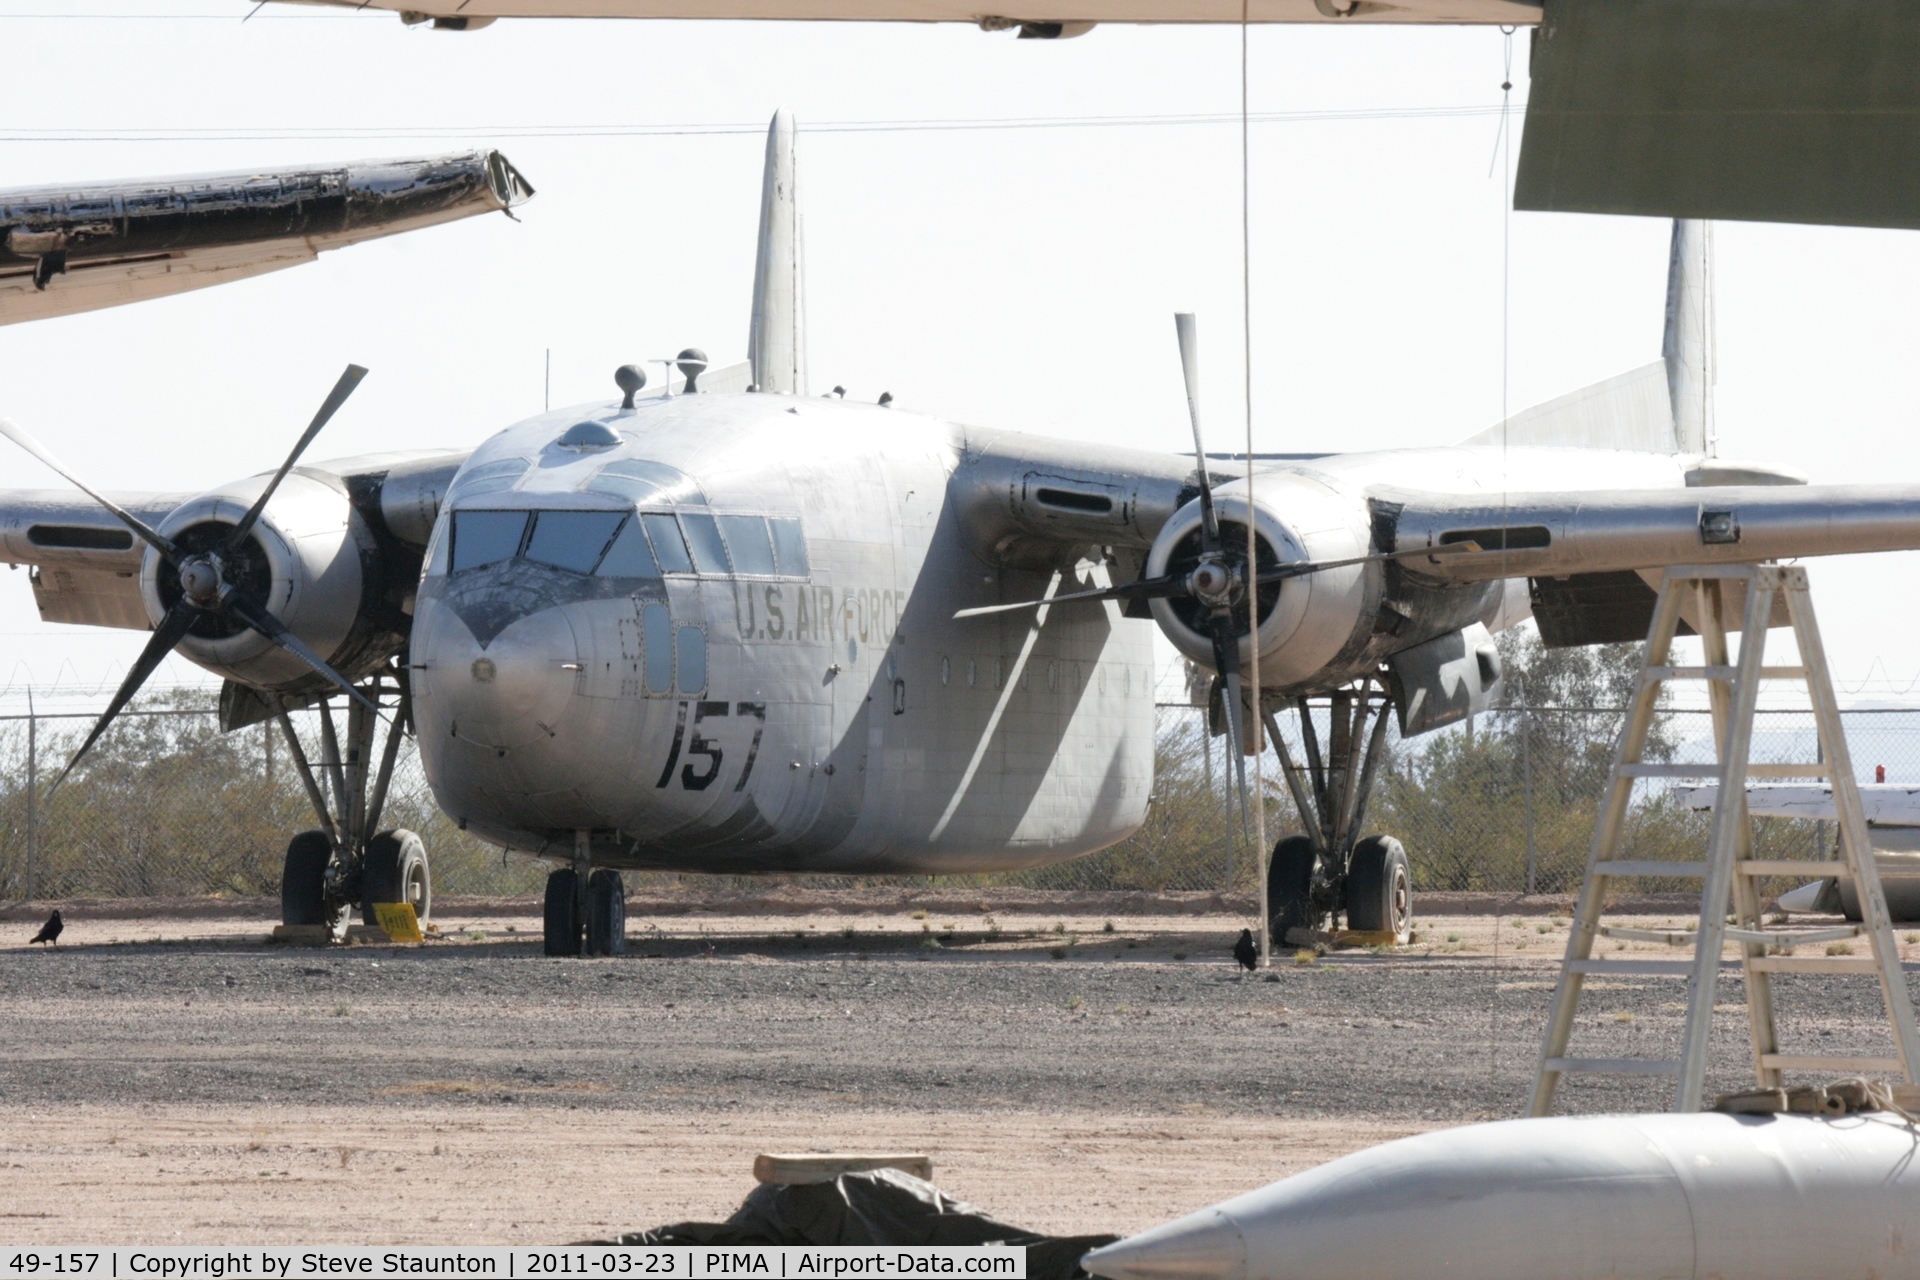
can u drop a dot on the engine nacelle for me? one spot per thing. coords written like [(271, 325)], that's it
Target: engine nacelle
[(310, 559), (1309, 624)]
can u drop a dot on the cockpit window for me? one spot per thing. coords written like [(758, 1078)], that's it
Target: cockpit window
[(703, 536), (629, 557), (747, 539), (488, 477), (486, 537), (647, 483), (572, 539), (789, 546), (668, 546)]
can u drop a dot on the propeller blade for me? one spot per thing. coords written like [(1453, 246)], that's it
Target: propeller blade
[(257, 617), (1144, 589), (172, 629), (18, 434), (1185, 332), (1226, 659), (335, 398)]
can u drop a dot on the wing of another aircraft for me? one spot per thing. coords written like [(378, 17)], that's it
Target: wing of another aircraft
[(1048, 16), (77, 248)]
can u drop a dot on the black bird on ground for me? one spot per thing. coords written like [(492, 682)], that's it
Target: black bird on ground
[(1246, 952), (50, 931)]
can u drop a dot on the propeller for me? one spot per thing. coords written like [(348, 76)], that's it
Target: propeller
[(1213, 581), (204, 586)]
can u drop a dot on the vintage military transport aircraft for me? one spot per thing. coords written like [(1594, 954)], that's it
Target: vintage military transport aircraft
[(729, 626)]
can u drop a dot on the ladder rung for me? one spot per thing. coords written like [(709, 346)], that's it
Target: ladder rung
[(1807, 869), (1600, 964), (1696, 572), (1764, 937), (1805, 938), (1719, 673), (1617, 867), (1672, 938), (1711, 769), (1815, 1062), (1863, 966), (1799, 868), (1615, 1066)]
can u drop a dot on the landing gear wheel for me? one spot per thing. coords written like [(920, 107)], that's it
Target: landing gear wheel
[(395, 870), (1380, 889), (563, 923), (1290, 888), (303, 884), (606, 914)]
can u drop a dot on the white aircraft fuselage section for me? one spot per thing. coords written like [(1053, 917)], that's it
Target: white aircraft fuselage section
[(829, 715)]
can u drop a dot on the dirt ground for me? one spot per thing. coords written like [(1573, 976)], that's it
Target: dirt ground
[(442, 1175), (178, 1080)]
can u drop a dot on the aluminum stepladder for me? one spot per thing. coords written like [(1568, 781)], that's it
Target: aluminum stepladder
[(1729, 871)]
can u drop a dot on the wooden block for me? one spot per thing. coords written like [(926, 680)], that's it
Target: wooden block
[(302, 935), (1366, 938), (825, 1166), (366, 933)]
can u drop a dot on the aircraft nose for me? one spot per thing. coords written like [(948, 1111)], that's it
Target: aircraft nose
[(513, 691)]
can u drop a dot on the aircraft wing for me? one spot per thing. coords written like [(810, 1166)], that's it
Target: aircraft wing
[(1559, 535), (464, 15), (78, 248)]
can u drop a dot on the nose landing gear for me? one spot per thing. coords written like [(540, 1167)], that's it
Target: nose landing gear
[(586, 910)]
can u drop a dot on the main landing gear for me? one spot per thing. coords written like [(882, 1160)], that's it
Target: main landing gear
[(586, 910), (1313, 878), (350, 864)]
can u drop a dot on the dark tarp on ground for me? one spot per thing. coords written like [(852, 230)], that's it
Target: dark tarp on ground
[(884, 1207)]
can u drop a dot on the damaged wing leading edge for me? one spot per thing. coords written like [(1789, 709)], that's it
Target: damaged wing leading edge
[(69, 249)]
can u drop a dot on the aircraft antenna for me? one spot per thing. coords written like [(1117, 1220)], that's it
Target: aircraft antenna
[(1258, 728)]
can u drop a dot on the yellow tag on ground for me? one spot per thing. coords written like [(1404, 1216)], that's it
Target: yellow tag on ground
[(398, 922)]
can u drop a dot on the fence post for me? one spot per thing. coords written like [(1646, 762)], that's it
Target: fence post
[(33, 787), (1526, 779)]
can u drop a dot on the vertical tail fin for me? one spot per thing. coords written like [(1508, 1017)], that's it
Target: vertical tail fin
[(777, 343), (1688, 347)]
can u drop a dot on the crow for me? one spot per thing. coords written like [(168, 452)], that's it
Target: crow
[(50, 931), (1246, 952)]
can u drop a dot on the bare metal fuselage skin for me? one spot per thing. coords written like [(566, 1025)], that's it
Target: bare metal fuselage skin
[(841, 719), (837, 721)]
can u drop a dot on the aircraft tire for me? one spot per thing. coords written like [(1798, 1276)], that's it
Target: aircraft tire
[(395, 870), (1380, 888), (606, 914), (1290, 888), (303, 879), (562, 916)]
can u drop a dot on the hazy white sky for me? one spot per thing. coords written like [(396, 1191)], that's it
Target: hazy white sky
[(1008, 276)]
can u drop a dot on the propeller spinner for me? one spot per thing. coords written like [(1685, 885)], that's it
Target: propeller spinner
[(206, 576)]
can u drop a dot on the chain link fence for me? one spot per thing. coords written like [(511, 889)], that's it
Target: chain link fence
[(167, 806)]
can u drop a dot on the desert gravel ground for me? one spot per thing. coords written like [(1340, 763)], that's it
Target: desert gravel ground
[(179, 1080)]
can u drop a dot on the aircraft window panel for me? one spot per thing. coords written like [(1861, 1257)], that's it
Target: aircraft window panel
[(486, 537), (669, 548), (657, 625), (691, 646), (790, 547), (629, 556), (572, 540), (703, 539), (747, 541)]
